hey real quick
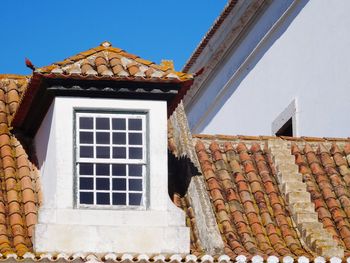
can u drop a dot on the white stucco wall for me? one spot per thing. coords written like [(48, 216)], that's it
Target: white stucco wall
[(157, 228), (307, 59)]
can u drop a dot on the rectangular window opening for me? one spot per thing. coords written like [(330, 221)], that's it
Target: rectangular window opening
[(110, 159), (286, 129)]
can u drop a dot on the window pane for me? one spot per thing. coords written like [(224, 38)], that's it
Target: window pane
[(86, 151), (119, 169), (119, 152), (119, 184), (135, 153), (102, 198), (86, 137), (135, 199), (102, 169), (135, 124), (102, 123), (86, 198), (86, 183), (118, 124), (119, 137), (102, 137), (135, 170), (85, 123), (102, 152), (102, 183), (135, 184), (119, 199), (135, 138), (86, 169)]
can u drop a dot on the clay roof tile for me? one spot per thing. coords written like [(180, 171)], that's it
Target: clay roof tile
[(250, 196), (335, 149)]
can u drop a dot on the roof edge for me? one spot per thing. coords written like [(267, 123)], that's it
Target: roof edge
[(14, 76), (268, 137), (210, 33)]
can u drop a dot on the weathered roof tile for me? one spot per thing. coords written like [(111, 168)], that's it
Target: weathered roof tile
[(255, 220), (108, 61), (18, 200)]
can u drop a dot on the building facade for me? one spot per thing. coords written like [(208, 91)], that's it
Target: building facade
[(272, 64)]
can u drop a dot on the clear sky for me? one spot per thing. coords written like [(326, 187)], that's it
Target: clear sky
[(49, 31)]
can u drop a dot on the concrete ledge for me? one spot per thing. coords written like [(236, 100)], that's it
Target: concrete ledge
[(293, 186), (297, 196)]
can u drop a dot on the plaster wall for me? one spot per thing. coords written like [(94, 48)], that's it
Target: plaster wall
[(303, 57), (161, 223)]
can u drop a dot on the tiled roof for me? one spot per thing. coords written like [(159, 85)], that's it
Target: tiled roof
[(107, 62), (20, 187), (325, 169), (253, 217), (241, 179)]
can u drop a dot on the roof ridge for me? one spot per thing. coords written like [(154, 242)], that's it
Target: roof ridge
[(270, 137), (145, 68)]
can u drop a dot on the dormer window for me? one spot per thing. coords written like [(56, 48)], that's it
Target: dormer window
[(110, 159), (99, 126)]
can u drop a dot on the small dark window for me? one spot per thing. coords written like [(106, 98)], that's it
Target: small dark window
[(286, 129)]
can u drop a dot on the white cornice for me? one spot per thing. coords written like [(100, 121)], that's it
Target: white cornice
[(227, 36)]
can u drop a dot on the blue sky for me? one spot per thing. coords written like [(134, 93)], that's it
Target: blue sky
[(49, 31)]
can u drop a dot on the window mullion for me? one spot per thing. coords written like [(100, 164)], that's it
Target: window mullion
[(96, 157)]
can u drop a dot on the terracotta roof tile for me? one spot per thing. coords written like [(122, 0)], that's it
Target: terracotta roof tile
[(18, 196), (183, 203), (255, 219), (329, 189), (108, 61)]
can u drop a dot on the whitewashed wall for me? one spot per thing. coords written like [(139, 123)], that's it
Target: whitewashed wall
[(304, 57), (159, 228)]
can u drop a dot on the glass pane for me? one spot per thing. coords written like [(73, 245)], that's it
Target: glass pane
[(86, 151), (86, 183), (86, 198), (102, 183), (119, 170), (135, 138), (102, 169), (135, 153), (102, 137), (135, 184), (119, 152), (85, 123), (118, 124), (119, 184), (135, 124), (102, 123), (119, 137), (135, 170), (86, 137), (119, 198), (102, 198), (135, 199), (86, 169), (102, 152)]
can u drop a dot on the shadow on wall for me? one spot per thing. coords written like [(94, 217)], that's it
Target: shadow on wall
[(180, 172)]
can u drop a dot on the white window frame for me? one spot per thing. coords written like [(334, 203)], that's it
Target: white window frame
[(110, 161), (290, 112)]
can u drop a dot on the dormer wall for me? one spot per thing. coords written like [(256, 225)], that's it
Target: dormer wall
[(105, 227)]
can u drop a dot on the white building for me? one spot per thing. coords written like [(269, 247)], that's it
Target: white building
[(272, 64)]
